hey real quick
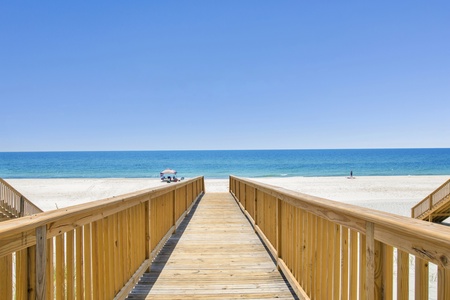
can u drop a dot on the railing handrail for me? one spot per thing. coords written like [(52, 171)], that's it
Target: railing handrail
[(35, 209), (427, 240), (429, 198)]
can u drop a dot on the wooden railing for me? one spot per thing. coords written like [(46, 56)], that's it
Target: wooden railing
[(431, 200), (332, 250), (96, 250), (13, 201)]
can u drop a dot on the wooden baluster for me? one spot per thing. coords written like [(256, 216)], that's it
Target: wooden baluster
[(41, 261), (88, 254), (70, 264), (421, 279), (402, 275), (388, 266), (370, 261), (79, 279), (443, 283), (6, 279), (353, 280), (345, 264), (362, 266), (60, 268)]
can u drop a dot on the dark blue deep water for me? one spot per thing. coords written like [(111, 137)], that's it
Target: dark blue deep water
[(220, 164)]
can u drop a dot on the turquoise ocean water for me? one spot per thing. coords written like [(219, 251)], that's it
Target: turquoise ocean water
[(220, 164)]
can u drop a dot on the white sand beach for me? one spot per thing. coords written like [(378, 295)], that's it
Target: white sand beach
[(394, 194)]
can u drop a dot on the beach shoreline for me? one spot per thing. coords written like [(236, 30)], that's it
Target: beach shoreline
[(394, 194)]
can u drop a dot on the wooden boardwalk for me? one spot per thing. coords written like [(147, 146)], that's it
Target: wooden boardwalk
[(438, 213), (215, 254), (435, 207)]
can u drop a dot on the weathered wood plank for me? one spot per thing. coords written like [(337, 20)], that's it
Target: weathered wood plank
[(214, 254)]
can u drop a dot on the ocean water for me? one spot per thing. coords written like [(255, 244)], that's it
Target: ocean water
[(220, 164)]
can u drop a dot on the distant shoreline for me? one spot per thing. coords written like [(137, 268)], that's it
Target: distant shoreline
[(395, 194)]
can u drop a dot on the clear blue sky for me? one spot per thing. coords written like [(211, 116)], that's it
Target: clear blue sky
[(150, 75)]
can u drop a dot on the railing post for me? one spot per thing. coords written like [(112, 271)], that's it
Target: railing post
[(431, 201), (22, 207)]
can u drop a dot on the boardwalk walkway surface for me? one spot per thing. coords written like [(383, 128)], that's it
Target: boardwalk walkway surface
[(215, 254)]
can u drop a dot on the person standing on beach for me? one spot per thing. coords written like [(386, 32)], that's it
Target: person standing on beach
[(351, 174)]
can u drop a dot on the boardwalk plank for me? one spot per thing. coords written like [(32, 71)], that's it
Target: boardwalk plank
[(215, 254)]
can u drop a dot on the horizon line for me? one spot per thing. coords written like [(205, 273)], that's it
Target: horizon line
[(248, 149)]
